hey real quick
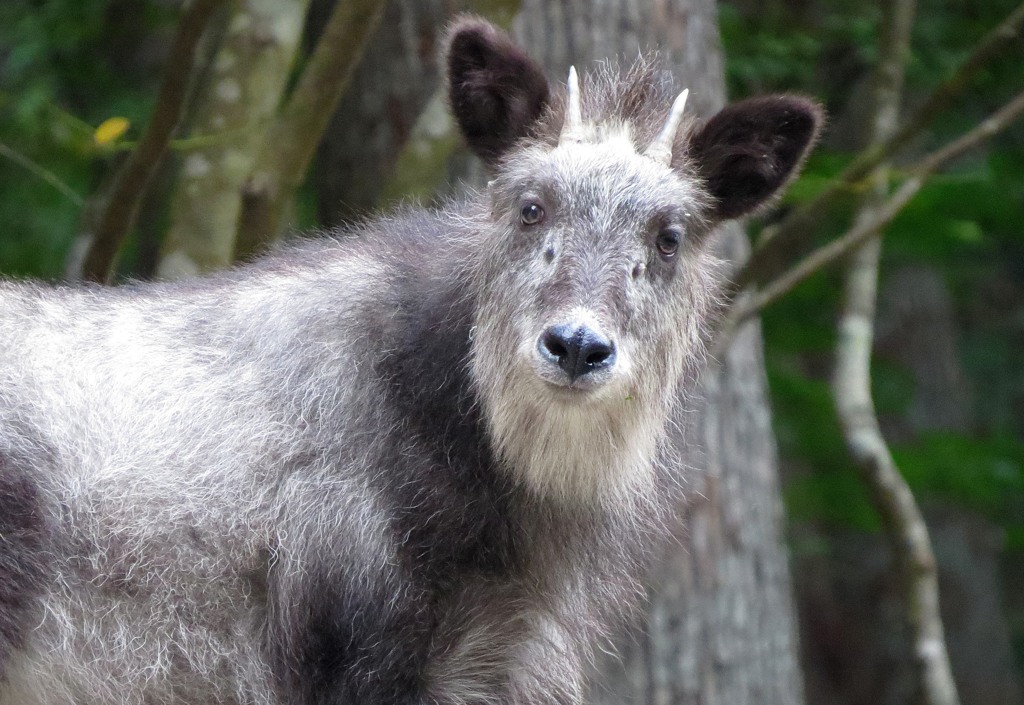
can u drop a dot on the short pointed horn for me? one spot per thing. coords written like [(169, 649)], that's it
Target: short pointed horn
[(661, 148), (572, 129)]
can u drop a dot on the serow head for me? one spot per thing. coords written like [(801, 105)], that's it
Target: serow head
[(597, 280)]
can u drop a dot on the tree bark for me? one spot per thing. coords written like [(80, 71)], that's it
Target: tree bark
[(915, 329), (247, 82), (294, 134), (720, 624), (400, 71)]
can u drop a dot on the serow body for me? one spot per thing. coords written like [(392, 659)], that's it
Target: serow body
[(421, 462)]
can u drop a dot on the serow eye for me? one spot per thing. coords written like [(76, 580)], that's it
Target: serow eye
[(531, 214), (667, 242)]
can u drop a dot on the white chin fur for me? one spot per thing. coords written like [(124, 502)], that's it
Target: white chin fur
[(574, 444)]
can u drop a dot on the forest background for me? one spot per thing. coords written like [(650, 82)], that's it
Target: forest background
[(78, 84)]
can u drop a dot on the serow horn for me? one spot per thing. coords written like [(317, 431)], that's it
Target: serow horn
[(572, 129), (661, 148)]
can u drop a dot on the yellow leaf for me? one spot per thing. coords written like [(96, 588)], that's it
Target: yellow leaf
[(110, 129)]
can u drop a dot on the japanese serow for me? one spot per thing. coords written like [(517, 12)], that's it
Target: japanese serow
[(421, 462)]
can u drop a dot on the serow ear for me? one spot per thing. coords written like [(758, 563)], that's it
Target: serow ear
[(496, 91), (750, 149)]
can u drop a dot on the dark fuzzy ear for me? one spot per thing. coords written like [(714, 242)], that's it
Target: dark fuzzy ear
[(496, 91), (750, 149)]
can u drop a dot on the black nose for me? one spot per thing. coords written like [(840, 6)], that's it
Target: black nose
[(577, 349)]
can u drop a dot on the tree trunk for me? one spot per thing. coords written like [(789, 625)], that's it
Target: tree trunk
[(397, 77), (247, 81), (720, 628)]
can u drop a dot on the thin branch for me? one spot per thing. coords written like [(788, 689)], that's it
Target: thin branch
[(292, 139), (986, 50), (204, 141), (82, 129), (902, 522), (904, 527), (761, 266), (117, 217), (42, 172), (846, 243)]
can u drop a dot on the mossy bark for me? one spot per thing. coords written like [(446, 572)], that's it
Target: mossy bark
[(245, 87)]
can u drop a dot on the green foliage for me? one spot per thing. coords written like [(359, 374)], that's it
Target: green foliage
[(965, 222), (819, 172), (984, 473), (69, 65), (824, 485), (785, 47)]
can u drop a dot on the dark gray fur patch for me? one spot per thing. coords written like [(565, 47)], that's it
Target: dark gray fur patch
[(453, 515), (24, 536)]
